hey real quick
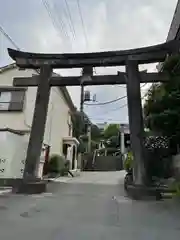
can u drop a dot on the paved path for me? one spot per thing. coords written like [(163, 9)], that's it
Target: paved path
[(84, 211), (108, 178)]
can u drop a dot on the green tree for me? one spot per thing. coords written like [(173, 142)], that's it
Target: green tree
[(95, 133), (111, 131), (162, 105), (112, 142), (80, 123)]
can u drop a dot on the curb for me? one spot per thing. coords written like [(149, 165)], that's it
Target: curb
[(59, 180), (5, 190)]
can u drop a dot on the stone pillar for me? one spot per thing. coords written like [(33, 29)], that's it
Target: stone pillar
[(38, 124), (135, 120)]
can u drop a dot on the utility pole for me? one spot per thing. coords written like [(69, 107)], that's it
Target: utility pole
[(82, 99), (86, 72), (82, 120), (89, 137), (82, 105)]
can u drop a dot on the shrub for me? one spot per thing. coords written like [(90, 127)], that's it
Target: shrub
[(175, 188), (64, 171), (158, 162), (56, 164), (128, 162)]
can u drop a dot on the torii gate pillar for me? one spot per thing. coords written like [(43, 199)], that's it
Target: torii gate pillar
[(38, 123), (135, 120)]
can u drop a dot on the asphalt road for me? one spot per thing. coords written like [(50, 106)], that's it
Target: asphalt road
[(83, 209)]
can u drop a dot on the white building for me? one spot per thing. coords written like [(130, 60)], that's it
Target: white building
[(17, 108)]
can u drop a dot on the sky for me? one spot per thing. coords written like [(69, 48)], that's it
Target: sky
[(107, 25)]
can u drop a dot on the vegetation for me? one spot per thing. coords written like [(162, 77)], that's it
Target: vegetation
[(128, 163), (96, 134), (57, 166), (162, 111), (162, 105), (111, 136), (111, 131), (80, 124)]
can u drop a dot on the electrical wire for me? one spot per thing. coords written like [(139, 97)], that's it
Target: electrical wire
[(104, 103), (56, 27), (59, 18), (113, 110), (108, 102), (8, 37), (70, 19), (82, 22)]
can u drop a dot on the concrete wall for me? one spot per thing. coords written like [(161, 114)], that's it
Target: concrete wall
[(108, 163), (58, 112), (102, 163), (176, 166)]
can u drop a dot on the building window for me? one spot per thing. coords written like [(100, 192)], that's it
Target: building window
[(12, 99)]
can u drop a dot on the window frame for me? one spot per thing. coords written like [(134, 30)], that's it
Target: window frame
[(19, 107)]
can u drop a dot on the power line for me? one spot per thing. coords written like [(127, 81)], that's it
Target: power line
[(118, 108), (8, 37), (82, 22), (104, 103), (48, 9), (108, 102), (113, 110), (70, 19)]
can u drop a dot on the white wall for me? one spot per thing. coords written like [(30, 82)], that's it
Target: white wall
[(12, 119), (58, 112), (57, 121)]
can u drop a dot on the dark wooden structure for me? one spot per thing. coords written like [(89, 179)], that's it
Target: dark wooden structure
[(174, 31), (132, 77)]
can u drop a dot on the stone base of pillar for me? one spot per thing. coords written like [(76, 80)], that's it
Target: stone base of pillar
[(30, 187), (141, 192)]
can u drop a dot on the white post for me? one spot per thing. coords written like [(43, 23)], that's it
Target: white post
[(89, 138), (122, 143)]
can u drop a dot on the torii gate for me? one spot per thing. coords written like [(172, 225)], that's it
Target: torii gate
[(132, 77)]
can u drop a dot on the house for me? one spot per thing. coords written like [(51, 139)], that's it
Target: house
[(17, 108)]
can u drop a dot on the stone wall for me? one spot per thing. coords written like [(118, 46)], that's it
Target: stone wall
[(108, 163), (102, 163), (176, 166)]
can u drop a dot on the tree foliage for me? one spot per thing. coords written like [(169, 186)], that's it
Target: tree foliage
[(162, 105), (112, 142), (111, 131), (80, 123), (95, 133)]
